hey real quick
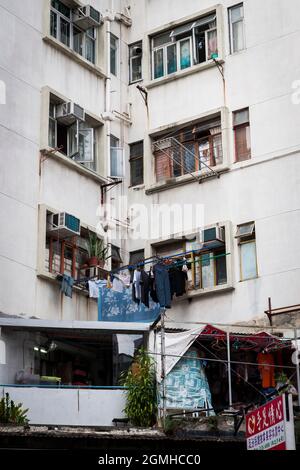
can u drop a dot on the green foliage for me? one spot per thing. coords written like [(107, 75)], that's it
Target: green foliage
[(10, 413), (141, 401), (96, 247)]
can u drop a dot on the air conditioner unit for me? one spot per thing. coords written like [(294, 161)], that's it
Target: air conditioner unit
[(63, 225), (213, 234), (69, 112), (87, 17)]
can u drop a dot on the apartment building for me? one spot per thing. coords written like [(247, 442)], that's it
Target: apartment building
[(180, 105)]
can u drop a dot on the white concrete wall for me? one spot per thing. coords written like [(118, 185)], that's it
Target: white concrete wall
[(72, 407)]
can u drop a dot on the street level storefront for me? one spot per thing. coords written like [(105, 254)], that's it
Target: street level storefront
[(68, 373), (211, 370)]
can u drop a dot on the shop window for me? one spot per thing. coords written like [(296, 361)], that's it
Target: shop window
[(191, 149), (63, 29), (184, 46), (135, 62), (241, 129), (75, 139), (136, 161), (236, 28), (247, 249)]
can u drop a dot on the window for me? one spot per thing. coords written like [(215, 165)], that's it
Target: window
[(136, 163), (136, 257), (247, 246), (116, 158), (241, 128), (62, 28), (236, 28), (190, 149), (113, 54), (116, 260), (76, 140), (184, 46), (135, 62)]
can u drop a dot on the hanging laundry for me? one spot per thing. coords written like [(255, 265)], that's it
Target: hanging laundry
[(153, 293), (66, 285), (136, 286), (266, 369), (94, 288), (145, 288), (162, 285), (178, 280), (117, 285)]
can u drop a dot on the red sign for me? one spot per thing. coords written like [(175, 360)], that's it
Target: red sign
[(265, 426)]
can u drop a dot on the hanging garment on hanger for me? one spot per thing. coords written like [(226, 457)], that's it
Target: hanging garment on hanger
[(117, 285), (94, 286), (162, 285), (66, 285), (136, 286), (145, 288), (266, 369), (153, 293), (178, 280)]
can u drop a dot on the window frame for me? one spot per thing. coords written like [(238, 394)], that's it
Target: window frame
[(85, 34), (131, 58), (182, 37), (243, 125), (231, 23), (116, 51), (134, 159), (244, 239)]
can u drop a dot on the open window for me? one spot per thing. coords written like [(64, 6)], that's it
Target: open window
[(75, 28), (184, 46), (190, 149), (72, 132), (135, 62)]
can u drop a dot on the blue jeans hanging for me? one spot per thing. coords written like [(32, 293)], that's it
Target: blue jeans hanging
[(162, 285)]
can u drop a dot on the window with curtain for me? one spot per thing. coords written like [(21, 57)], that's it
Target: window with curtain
[(241, 129), (236, 28)]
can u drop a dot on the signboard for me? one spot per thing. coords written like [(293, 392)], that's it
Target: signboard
[(271, 426)]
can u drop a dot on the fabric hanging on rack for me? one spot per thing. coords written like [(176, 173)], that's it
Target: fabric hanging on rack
[(117, 285), (94, 288), (266, 368), (66, 284), (117, 306), (145, 288), (136, 286), (178, 279), (162, 285)]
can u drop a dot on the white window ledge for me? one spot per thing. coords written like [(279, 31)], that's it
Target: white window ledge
[(183, 73), (221, 289), (184, 179), (75, 56), (64, 160)]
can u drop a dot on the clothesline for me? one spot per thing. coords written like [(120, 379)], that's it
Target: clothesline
[(158, 258)]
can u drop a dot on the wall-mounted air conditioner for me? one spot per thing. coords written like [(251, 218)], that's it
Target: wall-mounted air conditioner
[(63, 225), (213, 234), (69, 112), (87, 17)]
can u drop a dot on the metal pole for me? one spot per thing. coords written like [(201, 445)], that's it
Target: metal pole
[(163, 365), (229, 368), (297, 365)]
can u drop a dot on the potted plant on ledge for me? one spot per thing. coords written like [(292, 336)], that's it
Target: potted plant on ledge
[(97, 251)]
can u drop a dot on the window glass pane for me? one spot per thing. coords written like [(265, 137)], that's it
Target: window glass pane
[(116, 162), (212, 43), (136, 69), (208, 273), (204, 154), (217, 149), (73, 141), (63, 9), (53, 24), (236, 13), (161, 39), (245, 230), (237, 36), (171, 59), (114, 141), (221, 272), (52, 133), (77, 40), (177, 163), (85, 145), (90, 49), (241, 117), (91, 32), (158, 63), (185, 54), (248, 260), (137, 171), (242, 143), (113, 54), (189, 157), (137, 149), (65, 32)]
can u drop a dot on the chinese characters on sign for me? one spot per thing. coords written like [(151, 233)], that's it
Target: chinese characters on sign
[(266, 426)]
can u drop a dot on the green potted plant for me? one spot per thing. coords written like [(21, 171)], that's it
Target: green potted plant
[(97, 251)]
